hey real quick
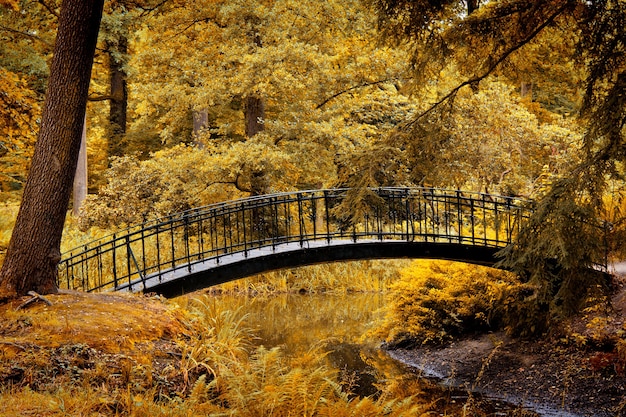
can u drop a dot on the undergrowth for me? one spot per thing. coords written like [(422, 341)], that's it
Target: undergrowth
[(198, 361), (8, 214), (435, 301), (335, 278)]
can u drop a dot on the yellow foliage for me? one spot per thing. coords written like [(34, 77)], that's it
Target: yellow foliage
[(8, 214), (110, 322), (335, 278), (117, 355), (436, 300), (10, 3), (19, 110)]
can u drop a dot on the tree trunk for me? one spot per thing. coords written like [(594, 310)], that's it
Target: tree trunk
[(254, 114), (472, 6), (200, 123), (254, 109), (526, 91), (80, 180), (118, 105), (34, 251)]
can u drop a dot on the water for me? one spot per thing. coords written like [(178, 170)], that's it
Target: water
[(343, 325)]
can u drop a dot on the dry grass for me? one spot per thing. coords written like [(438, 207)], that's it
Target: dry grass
[(108, 322), (335, 278), (8, 213), (117, 355)]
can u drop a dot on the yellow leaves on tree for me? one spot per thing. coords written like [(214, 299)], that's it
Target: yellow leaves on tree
[(181, 178), (314, 65), (12, 4), (19, 112), (485, 140)]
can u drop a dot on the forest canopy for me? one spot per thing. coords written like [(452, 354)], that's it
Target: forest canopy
[(196, 102)]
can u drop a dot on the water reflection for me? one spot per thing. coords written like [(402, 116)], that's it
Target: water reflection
[(339, 325), (299, 322)]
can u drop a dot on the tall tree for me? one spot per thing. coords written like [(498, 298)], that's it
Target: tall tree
[(34, 250), (280, 80), (488, 41), (27, 32)]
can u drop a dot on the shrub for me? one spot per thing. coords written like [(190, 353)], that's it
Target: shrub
[(436, 300)]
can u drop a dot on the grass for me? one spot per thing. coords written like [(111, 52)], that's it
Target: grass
[(8, 214), (335, 278), (105, 354)]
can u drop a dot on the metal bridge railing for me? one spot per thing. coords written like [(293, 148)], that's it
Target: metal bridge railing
[(194, 236)]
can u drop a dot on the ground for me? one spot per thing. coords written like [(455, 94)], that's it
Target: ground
[(97, 341), (576, 373), (116, 341)]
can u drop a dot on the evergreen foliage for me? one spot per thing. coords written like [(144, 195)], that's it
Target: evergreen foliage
[(474, 41)]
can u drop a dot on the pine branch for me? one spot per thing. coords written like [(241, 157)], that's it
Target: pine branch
[(491, 68)]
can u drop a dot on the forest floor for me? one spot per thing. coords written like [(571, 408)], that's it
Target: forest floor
[(74, 355), (109, 343), (578, 373)]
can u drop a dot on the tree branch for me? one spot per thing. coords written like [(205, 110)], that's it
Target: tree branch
[(193, 22), (49, 8), (491, 67), (355, 87), (100, 98), (25, 35), (148, 10)]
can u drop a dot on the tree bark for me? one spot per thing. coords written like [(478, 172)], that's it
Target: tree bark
[(254, 114), (200, 123), (118, 105), (254, 110), (34, 251), (80, 179), (526, 91), (472, 6)]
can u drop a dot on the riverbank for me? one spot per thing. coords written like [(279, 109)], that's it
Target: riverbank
[(574, 374), (76, 354)]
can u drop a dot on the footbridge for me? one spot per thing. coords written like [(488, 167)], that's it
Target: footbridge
[(222, 242)]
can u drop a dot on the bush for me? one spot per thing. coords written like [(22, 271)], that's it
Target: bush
[(435, 301)]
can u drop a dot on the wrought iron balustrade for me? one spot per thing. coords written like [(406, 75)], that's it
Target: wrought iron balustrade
[(253, 225)]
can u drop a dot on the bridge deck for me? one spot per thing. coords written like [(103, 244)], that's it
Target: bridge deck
[(200, 274)]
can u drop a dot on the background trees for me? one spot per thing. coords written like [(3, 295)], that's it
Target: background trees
[(27, 41), (272, 96), (33, 253), (505, 37), (210, 100)]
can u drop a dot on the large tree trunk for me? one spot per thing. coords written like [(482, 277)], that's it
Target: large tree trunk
[(34, 250)]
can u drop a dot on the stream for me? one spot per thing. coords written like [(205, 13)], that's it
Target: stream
[(339, 325)]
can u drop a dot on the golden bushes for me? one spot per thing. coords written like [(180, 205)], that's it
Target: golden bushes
[(436, 300)]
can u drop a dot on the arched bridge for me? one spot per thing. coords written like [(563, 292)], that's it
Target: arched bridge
[(222, 242)]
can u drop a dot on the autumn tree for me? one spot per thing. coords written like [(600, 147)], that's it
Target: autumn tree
[(487, 39), (320, 84), (34, 250), (27, 37), (19, 110)]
